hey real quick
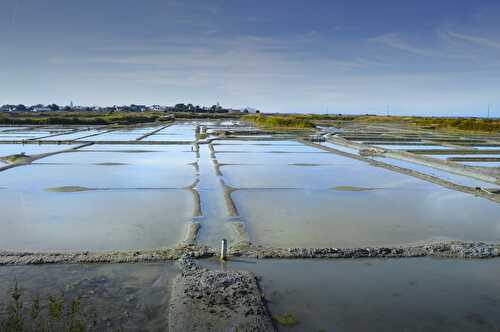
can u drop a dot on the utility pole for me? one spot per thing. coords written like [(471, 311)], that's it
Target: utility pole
[(488, 111)]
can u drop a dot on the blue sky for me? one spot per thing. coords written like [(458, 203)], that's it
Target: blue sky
[(408, 57)]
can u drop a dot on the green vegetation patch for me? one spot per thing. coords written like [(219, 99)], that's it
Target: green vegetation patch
[(68, 189), (468, 124), (16, 158), (350, 188), (56, 314), (279, 121), (285, 319), (460, 124)]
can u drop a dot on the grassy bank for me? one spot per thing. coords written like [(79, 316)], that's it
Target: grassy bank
[(449, 124), (320, 117), (279, 122), (78, 118)]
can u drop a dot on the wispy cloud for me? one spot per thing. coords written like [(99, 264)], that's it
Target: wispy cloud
[(250, 54), (394, 41), (485, 42)]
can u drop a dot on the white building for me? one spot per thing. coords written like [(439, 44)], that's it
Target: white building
[(156, 108)]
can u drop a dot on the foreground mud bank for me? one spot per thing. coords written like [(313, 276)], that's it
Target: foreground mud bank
[(449, 249), (205, 300)]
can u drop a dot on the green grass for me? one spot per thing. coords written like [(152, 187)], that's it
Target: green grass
[(467, 124), (450, 124), (319, 117), (279, 122), (285, 319), (15, 158)]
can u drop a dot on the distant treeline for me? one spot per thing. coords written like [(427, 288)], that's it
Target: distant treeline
[(83, 118)]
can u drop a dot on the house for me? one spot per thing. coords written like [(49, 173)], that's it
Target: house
[(157, 108)]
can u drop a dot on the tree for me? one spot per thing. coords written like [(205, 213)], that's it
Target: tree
[(53, 107), (21, 108), (180, 107)]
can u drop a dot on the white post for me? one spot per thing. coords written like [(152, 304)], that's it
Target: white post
[(223, 250)]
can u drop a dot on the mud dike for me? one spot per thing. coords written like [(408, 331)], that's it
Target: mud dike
[(215, 216)]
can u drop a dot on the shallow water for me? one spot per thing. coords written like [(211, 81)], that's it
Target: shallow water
[(125, 297), (8, 128), (102, 168), (176, 132), (275, 153), (123, 134), (280, 159), (215, 213), (101, 173), (418, 294), (260, 146), (284, 157), (340, 147), (354, 173), (97, 200), (174, 148), (257, 142), (343, 218), (481, 163), (93, 220), (293, 195), (458, 179), (166, 157), (485, 147), (446, 156), (344, 202), (20, 136), (30, 149), (75, 136), (473, 163), (413, 147)]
